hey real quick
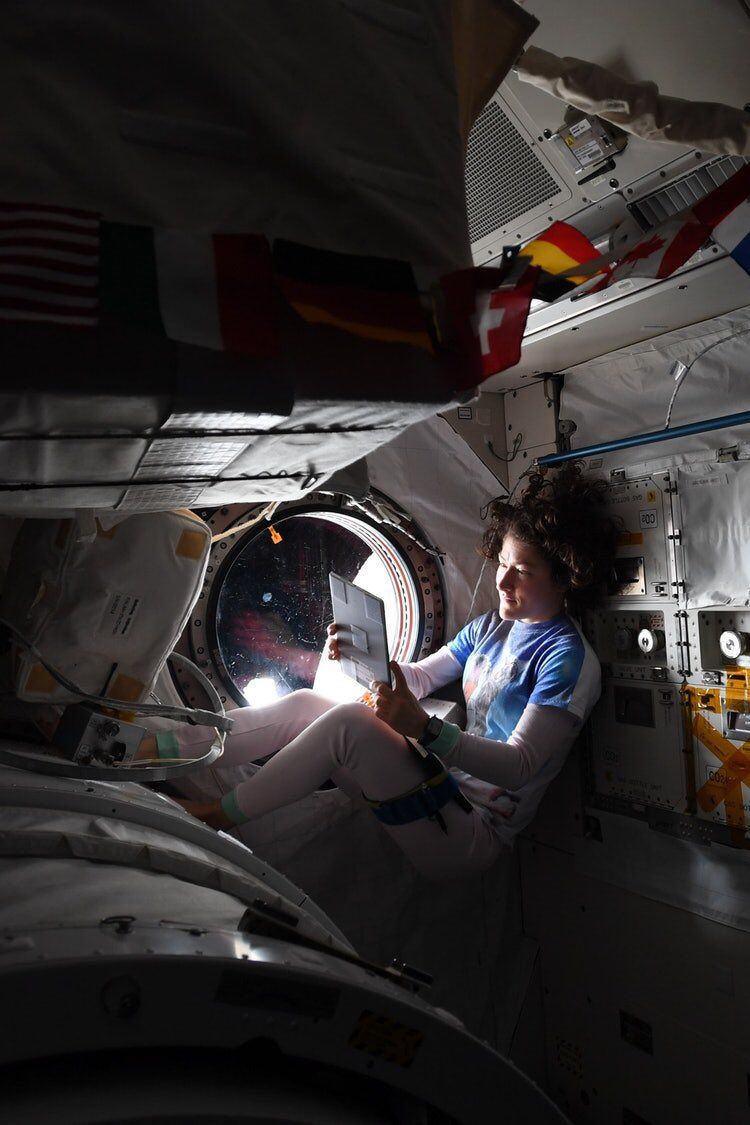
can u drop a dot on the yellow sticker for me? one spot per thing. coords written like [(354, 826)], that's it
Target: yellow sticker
[(385, 1038), (126, 688), (191, 545), (275, 535), (631, 538), (39, 681), (651, 496)]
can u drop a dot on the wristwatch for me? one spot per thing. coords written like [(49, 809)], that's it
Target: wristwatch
[(431, 732)]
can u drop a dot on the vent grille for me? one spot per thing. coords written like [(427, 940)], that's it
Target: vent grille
[(663, 204), (504, 176)]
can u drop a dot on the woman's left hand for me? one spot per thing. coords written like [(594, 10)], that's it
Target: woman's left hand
[(397, 707)]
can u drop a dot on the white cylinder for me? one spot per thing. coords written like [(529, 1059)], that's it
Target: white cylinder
[(650, 640), (733, 644)]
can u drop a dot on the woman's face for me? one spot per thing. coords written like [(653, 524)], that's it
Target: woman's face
[(524, 583)]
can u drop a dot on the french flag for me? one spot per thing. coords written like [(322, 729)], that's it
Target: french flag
[(733, 234)]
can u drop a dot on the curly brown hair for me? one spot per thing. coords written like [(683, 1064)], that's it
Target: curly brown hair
[(562, 514)]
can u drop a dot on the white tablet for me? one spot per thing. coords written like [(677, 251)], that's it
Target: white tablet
[(360, 621)]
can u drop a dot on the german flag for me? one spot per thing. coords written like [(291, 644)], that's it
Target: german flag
[(560, 248), (374, 298)]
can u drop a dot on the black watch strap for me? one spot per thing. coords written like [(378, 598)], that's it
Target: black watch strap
[(431, 731)]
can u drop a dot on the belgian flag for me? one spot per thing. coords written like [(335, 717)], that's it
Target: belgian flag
[(369, 297), (559, 249)]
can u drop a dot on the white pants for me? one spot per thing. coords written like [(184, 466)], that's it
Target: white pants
[(311, 740)]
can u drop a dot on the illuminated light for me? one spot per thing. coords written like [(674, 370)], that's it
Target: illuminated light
[(261, 691)]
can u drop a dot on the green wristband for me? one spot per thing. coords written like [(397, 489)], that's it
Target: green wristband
[(446, 740), (232, 809)]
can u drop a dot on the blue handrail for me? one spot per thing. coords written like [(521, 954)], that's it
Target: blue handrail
[(722, 423)]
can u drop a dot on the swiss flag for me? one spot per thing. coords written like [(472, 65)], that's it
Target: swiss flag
[(486, 311)]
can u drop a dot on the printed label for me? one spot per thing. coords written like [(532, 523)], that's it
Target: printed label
[(648, 518), (620, 494), (465, 413), (580, 127), (718, 775), (703, 482), (589, 153), (119, 614)]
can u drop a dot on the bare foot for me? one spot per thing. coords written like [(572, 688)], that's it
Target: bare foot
[(210, 812)]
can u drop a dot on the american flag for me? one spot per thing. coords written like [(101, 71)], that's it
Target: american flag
[(49, 265)]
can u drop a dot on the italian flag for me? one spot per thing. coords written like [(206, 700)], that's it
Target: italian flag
[(211, 290)]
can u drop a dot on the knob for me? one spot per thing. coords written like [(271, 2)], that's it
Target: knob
[(650, 640), (733, 644), (623, 639)]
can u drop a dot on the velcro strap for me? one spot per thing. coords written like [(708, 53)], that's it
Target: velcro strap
[(424, 801)]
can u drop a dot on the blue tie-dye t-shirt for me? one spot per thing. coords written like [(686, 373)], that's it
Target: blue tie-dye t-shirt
[(508, 664)]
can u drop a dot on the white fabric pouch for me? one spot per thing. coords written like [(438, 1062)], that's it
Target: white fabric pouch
[(103, 599)]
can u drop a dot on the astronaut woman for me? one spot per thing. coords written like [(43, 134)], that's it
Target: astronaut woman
[(529, 679)]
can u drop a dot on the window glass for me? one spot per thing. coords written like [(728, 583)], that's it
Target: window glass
[(274, 603)]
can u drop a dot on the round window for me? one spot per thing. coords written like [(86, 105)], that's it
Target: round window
[(267, 599)]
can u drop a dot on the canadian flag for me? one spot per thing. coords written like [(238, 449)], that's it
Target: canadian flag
[(669, 246), (663, 250)]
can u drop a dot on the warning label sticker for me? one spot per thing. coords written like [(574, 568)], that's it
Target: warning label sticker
[(385, 1038)]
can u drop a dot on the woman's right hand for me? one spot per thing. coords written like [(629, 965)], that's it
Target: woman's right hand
[(331, 649)]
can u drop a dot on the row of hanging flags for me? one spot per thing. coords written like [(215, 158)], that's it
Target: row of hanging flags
[(71, 269)]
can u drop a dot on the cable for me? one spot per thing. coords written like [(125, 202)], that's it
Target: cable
[(266, 514), (378, 510), (196, 716), (475, 591), (680, 371), (160, 762), (513, 453)]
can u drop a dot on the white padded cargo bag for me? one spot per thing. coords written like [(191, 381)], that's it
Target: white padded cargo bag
[(103, 598)]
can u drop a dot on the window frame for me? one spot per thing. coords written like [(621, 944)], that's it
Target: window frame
[(417, 562)]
